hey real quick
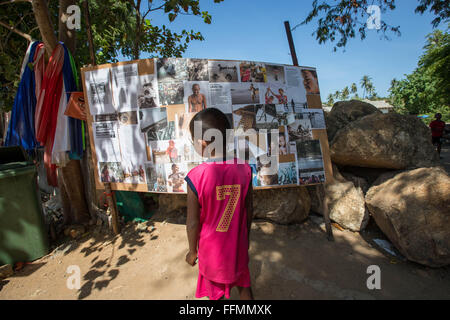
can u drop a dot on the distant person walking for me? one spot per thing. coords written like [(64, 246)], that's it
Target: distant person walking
[(437, 131)]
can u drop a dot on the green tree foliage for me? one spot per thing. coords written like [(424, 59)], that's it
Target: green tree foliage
[(340, 20), (119, 27), (426, 90)]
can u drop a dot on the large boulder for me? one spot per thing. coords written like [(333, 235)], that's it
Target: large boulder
[(172, 202), (412, 209), (344, 112), (390, 141), (346, 204), (283, 206)]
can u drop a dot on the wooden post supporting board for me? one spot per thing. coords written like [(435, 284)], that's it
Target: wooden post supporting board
[(113, 208), (324, 203), (109, 193)]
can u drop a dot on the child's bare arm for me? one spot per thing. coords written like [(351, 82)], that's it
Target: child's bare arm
[(192, 225), (249, 207)]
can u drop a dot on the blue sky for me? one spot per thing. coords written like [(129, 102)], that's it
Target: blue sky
[(254, 30)]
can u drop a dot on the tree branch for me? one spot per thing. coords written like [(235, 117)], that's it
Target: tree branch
[(20, 33), (14, 1)]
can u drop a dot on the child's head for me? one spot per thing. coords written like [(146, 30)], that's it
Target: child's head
[(175, 168), (209, 118)]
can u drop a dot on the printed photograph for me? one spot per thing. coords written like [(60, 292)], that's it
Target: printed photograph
[(274, 94), (223, 71), (309, 157), (252, 72), (249, 148), (197, 69), (106, 117), (311, 177), (154, 124), (182, 126), (128, 118), (275, 74), (316, 117), (171, 69), (134, 175), (220, 96), (244, 118), (266, 117), (110, 172), (170, 151), (171, 93), (287, 173), (267, 171), (255, 181), (310, 81), (278, 145), (175, 174), (300, 130), (156, 177), (196, 95), (297, 96), (244, 93), (148, 92)]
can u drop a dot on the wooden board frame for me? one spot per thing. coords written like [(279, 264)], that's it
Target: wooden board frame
[(147, 66)]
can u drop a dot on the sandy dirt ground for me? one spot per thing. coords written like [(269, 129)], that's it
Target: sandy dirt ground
[(286, 262)]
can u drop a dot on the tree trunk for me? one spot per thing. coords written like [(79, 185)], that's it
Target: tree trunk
[(64, 34), (42, 17), (70, 179)]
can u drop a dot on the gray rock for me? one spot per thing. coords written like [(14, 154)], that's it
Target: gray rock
[(172, 202), (346, 204), (283, 206), (345, 112), (390, 141), (412, 209)]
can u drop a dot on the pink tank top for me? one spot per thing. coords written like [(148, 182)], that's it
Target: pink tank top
[(221, 189)]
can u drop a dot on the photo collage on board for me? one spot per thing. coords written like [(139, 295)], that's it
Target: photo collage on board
[(141, 120)]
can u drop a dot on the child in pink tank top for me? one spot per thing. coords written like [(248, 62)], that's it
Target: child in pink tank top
[(219, 216)]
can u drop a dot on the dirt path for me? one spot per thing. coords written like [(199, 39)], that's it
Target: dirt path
[(287, 262)]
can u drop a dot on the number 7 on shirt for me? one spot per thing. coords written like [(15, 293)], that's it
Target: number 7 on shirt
[(234, 192)]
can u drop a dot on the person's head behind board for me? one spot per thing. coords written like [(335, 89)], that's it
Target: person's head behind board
[(438, 116), (209, 118)]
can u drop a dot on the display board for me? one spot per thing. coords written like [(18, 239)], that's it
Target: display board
[(139, 112)]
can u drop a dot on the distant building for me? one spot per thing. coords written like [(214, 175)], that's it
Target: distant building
[(381, 105)]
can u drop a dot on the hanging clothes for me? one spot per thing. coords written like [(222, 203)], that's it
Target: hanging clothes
[(52, 86), (21, 130)]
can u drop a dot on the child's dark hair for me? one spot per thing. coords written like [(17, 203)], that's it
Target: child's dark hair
[(211, 118)]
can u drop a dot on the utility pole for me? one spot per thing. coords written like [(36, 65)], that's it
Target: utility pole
[(291, 43)]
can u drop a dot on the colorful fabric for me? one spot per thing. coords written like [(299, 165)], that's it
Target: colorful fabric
[(215, 291), (221, 189), (21, 130)]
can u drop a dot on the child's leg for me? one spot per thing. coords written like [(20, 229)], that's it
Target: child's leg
[(245, 293)]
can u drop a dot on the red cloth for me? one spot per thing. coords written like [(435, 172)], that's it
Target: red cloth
[(437, 128), (52, 86)]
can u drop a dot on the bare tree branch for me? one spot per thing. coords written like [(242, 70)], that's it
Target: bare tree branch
[(14, 1), (20, 33)]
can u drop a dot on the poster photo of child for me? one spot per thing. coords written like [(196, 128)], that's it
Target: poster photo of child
[(310, 81), (171, 93), (252, 72), (148, 92), (244, 93), (156, 177), (176, 172), (111, 172)]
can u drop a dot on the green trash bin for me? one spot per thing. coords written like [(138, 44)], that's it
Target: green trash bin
[(23, 233)]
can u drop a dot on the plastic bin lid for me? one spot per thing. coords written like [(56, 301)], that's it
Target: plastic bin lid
[(12, 154), (16, 168)]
